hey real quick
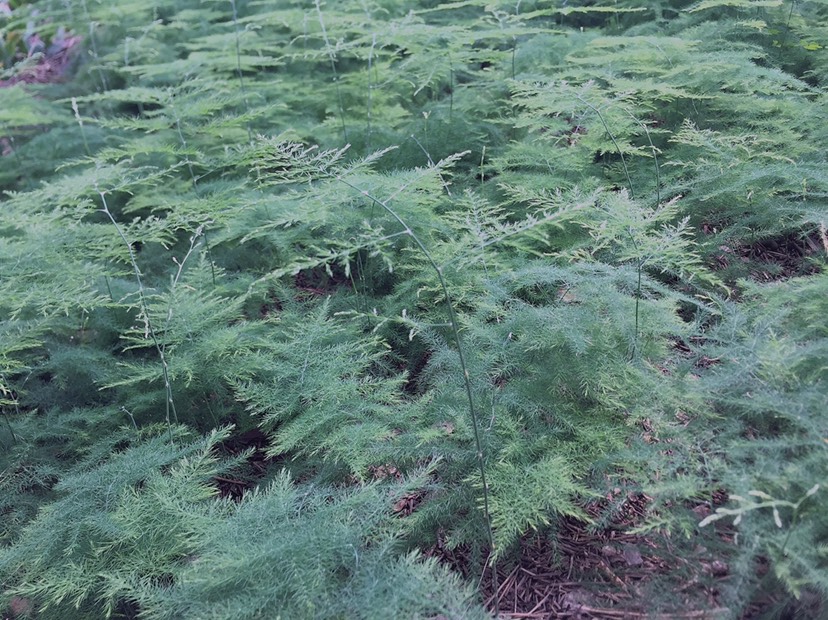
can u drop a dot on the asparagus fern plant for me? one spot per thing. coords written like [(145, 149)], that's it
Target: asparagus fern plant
[(487, 260)]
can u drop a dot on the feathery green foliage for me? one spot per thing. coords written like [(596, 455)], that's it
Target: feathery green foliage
[(487, 260)]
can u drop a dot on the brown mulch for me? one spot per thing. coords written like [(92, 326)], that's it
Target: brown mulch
[(777, 258), (579, 574)]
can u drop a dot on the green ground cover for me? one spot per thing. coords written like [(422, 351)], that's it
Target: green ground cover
[(354, 309)]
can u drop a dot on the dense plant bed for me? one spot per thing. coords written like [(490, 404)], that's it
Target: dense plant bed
[(413, 309)]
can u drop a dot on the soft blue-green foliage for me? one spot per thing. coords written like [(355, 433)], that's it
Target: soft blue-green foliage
[(406, 246), (771, 389), (145, 529)]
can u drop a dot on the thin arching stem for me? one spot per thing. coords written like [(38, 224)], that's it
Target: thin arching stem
[(654, 151), (170, 404), (177, 277), (78, 118), (332, 58), (641, 260), (455, 329), (431, 163), (370, 89), (194, 180), (451, 88), (639, 267), (92, 38), (786, 40), (614, 141), (239, 67)]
